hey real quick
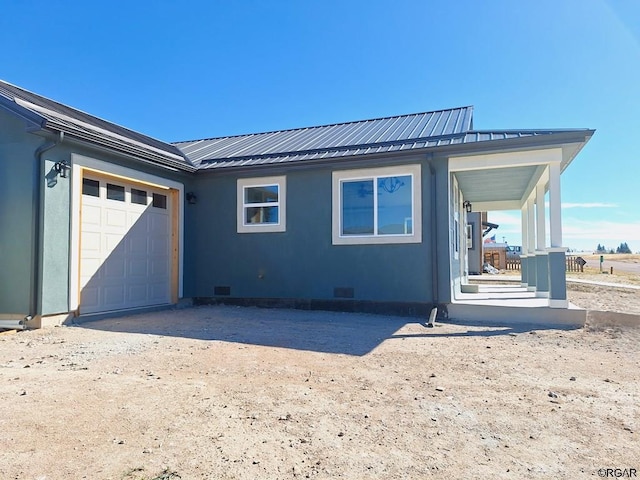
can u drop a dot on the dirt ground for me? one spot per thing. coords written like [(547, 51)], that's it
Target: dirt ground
[(243, 393)]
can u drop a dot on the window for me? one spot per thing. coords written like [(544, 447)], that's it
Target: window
[(138, 196), (261, 204), (115, 192), (159, 201), (90, 187), (378, 205)]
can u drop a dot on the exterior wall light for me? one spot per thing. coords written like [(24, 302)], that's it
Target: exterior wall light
[(192, 198), (467, 206), (62, 168)]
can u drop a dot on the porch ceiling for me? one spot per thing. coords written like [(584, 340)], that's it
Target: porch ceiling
[(496, 184)]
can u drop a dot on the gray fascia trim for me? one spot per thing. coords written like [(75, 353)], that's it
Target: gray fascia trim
[(354, 161), (135, 154), (120, 147), (69, 138)]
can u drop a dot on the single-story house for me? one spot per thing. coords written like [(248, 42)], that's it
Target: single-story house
[(360, 216)]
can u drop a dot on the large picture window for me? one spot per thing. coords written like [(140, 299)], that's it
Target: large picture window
[(379, 205), (261, 204)]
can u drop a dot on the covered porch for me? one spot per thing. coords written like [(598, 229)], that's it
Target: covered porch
[(527, 180)]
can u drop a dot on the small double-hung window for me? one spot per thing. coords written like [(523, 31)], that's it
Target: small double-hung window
[(378, 205), (261, 204)]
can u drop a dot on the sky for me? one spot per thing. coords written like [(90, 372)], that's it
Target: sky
[(200, 69)]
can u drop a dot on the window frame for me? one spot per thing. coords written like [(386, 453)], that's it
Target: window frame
[(340, 176), (241, 206)]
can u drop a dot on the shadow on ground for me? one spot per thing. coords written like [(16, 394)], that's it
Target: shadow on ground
[(325, 332)]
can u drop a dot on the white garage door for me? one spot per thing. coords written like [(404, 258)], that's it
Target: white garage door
[(125, 245)]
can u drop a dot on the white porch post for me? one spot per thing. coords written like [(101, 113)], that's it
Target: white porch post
[(555, 206), (524, 257), (557, 253), (531, 245), (541, 260)]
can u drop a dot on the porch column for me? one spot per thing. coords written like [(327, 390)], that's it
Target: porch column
[(524, 259), (557, 253), (531, 245), (541, 259)]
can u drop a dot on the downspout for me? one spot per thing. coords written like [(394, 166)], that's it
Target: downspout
[(37, 221), (434, 243)]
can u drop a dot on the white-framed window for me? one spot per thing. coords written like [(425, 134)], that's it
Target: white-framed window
[(377, 205), (262, 204)]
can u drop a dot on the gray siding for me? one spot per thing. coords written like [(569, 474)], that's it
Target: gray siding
[(17, 208), (302, 263)]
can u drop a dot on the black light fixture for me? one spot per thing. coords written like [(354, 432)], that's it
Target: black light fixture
[(192, 198), (62, 168), (467, 206)]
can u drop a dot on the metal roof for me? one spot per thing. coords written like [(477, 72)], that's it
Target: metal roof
[(418, 130), (411, 132), (59, 117), (414, 132)]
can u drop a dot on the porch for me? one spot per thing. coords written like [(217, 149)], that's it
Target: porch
[(504, 299)]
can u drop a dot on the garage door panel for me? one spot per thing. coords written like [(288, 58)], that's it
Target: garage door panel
[(137, 245), (113, 295), (114, 268), (91, 241), (138, 267), (115, 218), (112, 240), (159, 268), (159, 223), (137, 294), (90, 265), (158, 246), (90, 297), (125, 252), (159, 292), (91, 214)]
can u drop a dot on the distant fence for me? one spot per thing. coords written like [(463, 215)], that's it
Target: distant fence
[(574, 264), (513, 264)]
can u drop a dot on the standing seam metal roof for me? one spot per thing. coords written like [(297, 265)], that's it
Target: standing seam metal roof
[(402, 129)]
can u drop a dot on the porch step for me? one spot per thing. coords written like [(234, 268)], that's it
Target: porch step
[(507, 315)]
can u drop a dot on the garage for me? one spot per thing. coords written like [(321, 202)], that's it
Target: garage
[(126, 244)]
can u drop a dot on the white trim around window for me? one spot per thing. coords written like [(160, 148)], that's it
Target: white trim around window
[(262, 204), (377, 205)]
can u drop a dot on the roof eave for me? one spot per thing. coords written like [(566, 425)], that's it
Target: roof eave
[(558, 139), (136, 154)]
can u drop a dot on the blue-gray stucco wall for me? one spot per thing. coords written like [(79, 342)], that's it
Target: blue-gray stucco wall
[(302, 263), (18, 184)]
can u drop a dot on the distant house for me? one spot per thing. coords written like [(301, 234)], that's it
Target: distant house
[(359, 216)]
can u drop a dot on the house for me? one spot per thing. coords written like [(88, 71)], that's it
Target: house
[(360, 216)]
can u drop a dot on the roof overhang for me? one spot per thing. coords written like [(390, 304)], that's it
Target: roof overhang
[(504, 178)]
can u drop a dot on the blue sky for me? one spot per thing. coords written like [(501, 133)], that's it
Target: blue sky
[(198, 69)]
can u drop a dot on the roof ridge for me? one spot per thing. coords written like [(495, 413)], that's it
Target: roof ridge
[(526, 130), (364, 120)]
